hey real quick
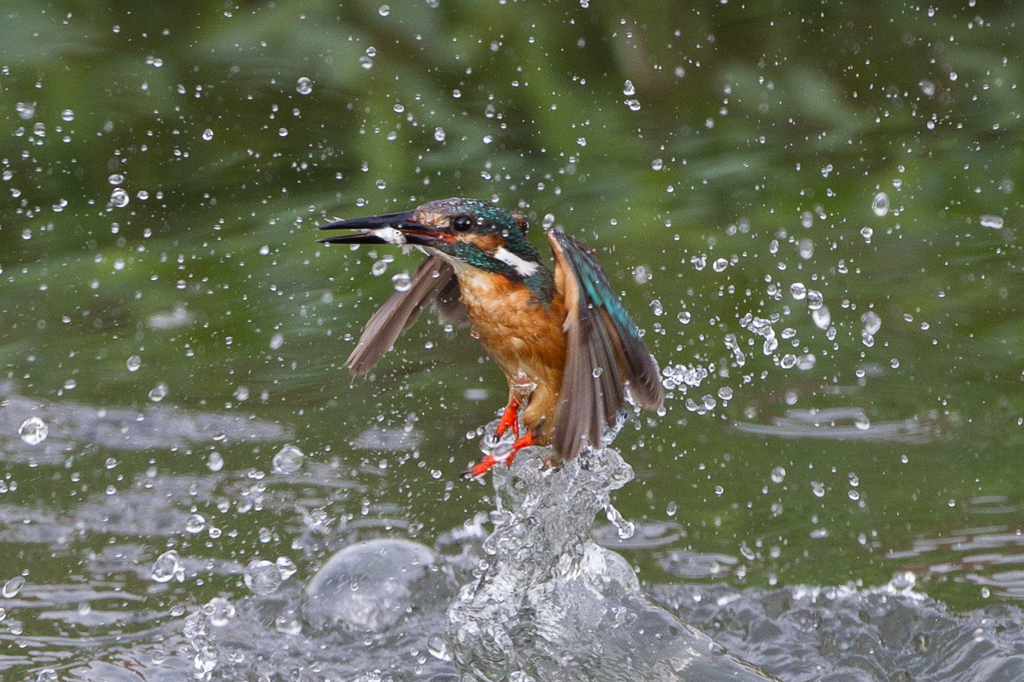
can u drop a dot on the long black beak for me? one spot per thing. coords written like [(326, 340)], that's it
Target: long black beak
[(390, 228)]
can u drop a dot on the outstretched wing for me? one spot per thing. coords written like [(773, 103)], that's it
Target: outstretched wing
[(433, 283), (604, 352)]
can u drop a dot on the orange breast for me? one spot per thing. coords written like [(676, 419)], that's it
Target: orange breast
[(523, 335)]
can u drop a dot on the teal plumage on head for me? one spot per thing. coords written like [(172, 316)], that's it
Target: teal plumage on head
[(516, 258)]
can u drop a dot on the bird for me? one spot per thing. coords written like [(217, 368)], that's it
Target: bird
[(564, 341)]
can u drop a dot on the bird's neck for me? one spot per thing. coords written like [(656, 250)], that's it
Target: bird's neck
[(521, 267)]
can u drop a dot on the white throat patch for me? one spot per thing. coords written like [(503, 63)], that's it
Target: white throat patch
[(524, 267)]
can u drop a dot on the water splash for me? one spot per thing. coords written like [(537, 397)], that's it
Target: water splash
[(548, 603)]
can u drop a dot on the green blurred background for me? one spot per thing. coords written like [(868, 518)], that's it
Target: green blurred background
[(165, 165)]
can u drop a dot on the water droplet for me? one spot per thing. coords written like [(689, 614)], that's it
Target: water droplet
[(671, 509), (862, 422), (220, 611), (68, 115), (26, 110), (822, 318), (778, 475), (628, 90), (304, 86), (215, 462), (158, 393), (818, 489), (866, 232), (657, 164), (719, 265), (872, 322), (167, 567), (806, 249), (287, 623), (12, 587), (798, 291), (119, 198), (806, 218), (276, 341), (854, 479), (881, 204), (379, 268), (402, 281), (262, 577), (366, 62), (286, 567), (133, 364), (806, 362), (625, 528), (437, 648), (814, 299), (195, 523), (439, 134), (288, 460), (725, 393), (208, 134), (684, 317), (992, 221), (33, 431), (598, 371), (282, 132), (384, 10)]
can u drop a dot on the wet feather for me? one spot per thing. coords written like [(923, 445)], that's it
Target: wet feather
[(433, 283)]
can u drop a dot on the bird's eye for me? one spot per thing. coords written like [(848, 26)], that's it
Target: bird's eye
[(462, 223)]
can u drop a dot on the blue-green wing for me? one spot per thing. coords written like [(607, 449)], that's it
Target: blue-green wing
[(605, 353)]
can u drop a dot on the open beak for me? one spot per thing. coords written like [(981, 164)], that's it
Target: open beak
[(390, 228)]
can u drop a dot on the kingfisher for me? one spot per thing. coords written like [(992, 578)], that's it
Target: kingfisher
[(566, 345)]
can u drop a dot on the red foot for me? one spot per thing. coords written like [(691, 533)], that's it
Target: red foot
[(509, 419), (485, 464)]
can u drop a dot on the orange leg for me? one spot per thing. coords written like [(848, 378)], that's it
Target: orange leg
[(509, 419), (485, 464)]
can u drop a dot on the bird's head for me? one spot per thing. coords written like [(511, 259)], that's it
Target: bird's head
[(465, 232)]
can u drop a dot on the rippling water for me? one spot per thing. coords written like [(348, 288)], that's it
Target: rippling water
[(539, 600)]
